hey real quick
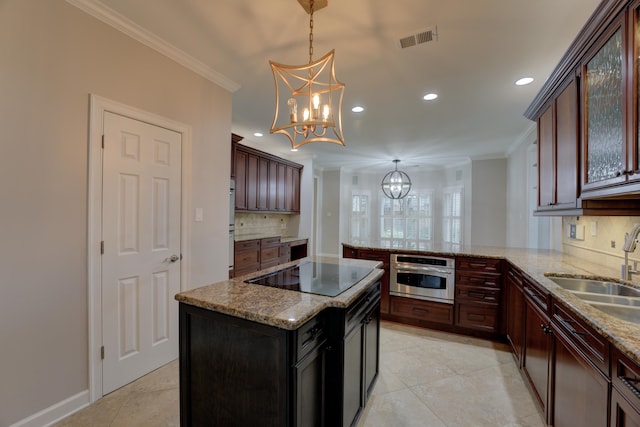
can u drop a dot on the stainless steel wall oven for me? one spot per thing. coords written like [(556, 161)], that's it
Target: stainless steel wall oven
[(422, 277)]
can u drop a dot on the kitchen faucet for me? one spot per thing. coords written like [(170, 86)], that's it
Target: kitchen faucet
[(630, 240)]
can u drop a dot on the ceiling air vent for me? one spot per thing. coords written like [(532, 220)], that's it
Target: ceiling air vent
[(419, 37)]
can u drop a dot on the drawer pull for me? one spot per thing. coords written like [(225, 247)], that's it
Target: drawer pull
[(630, 384), (417, 310), (313, 332), (567, 324)]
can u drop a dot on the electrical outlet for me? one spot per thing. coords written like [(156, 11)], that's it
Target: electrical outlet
[(613, 243), (594, 228)]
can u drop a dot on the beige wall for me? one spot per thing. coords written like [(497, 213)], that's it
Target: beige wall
[(53, 57), (489, 202)]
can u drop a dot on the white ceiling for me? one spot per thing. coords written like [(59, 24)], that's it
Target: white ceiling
[(483, 47)]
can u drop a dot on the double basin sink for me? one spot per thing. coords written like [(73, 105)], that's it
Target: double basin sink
[(616, 299)]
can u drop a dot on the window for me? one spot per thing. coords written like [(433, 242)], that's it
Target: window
[(359, 216), (452, 215), (408, 222)]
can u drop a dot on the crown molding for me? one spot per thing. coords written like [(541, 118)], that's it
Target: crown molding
[(123, 24)]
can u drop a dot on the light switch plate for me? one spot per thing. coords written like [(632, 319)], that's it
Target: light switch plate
[(199, 214)]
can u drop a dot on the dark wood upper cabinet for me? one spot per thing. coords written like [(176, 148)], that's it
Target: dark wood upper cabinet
[(588, 119), (546, 159), (265, 183), (240, 162), (558, 147)]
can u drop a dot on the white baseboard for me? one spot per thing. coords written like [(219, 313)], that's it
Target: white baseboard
[(56, 412)]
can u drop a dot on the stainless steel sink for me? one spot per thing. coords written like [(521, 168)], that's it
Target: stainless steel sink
[(595, 286), (616, 299)]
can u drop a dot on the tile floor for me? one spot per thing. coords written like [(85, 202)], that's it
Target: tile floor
[(427, 378)]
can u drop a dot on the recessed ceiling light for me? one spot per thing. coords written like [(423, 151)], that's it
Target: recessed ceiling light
[(524, 81), (258, 134), (357, 109), (294, 149), (430, 96)]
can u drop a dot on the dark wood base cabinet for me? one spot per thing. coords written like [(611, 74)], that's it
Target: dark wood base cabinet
[(623, 413), (538, 342), (580, 391), (625, 393), (515, 310), (235, 372)]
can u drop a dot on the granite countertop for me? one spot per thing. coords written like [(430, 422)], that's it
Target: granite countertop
[(281, 308), (537, 264), (283, 239)]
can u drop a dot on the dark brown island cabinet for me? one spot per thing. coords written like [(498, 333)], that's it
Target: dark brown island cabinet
[(236, 372)]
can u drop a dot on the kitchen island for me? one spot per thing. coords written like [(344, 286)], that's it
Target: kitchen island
[(252, 354)]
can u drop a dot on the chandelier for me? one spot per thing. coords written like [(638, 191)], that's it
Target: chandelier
[(396, 184), (314, 89)]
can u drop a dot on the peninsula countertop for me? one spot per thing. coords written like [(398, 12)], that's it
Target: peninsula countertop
[(285, 309), (537, 265)]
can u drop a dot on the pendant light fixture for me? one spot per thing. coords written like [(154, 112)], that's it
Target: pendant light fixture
[(309, 95), (396, 184)]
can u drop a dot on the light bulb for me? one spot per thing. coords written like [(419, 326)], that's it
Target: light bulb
[(305, 114), (316, 101), (325, 112), (293, 109)]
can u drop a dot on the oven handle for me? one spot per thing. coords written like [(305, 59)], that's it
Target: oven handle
[(422, 270)]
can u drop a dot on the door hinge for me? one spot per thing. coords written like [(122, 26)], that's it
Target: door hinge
[(103, 142), (102, 353), (102, 247)]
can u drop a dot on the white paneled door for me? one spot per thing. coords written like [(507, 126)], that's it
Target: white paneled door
[(141, 261)]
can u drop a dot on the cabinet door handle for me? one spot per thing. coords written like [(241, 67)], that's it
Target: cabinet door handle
[(629, 383), (546, 329)]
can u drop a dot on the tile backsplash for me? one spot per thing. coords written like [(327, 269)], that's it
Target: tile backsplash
[(599, 239), (267, 224)]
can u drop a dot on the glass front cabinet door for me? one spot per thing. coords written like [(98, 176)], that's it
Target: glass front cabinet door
[(604, 111), (611, 111)]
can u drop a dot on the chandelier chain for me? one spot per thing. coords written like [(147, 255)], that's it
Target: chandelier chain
[(310, 31)]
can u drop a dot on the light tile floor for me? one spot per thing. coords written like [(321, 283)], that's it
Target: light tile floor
[(427, 378)]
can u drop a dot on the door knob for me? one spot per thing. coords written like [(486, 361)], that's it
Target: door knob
[(172, 258)]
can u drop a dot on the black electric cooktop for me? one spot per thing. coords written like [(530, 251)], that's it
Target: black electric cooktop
[(314, 278)]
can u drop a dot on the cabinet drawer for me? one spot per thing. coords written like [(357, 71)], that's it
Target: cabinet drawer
[(476, 316), (269, 254), (477, 294), (245, 259), (477, 279), (269, 242), (270, 263), (422, 310), (515, 277), (239, 272), (625, 377), (487, 265), (354, 313), (310, 335), (590, 343), (247, 245), (537, 296)]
